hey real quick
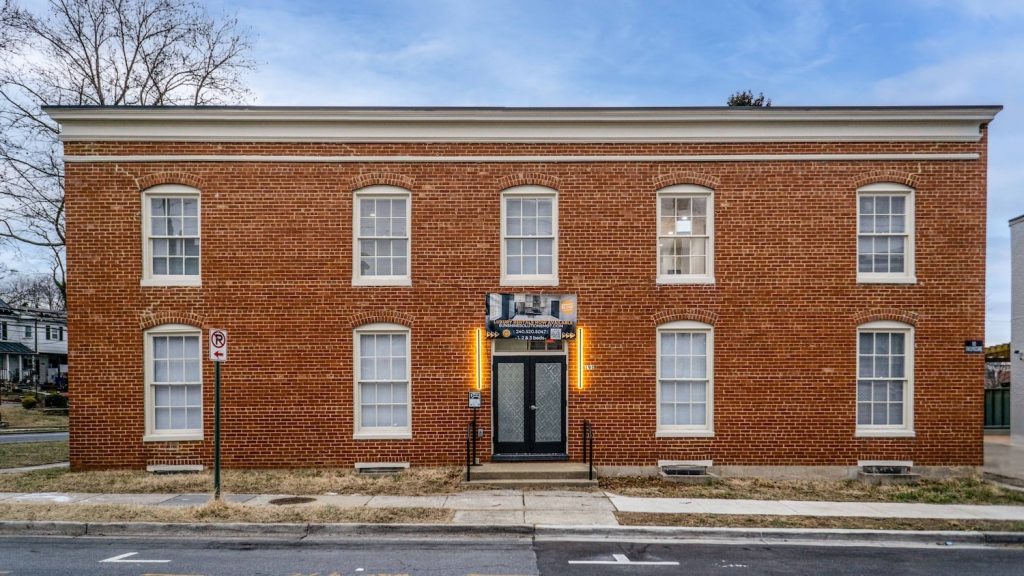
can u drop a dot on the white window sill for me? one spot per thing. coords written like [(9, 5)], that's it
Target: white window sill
[(382, 281), (529, 281), (885, 279), (679, 279), (172, 281), (406, 435), (183, 437), (884, 433), (685, 434)]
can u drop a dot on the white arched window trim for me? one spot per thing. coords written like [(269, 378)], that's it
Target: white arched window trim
[(909, 274), (377, 432), (528, 192), (684, 192), (152, 431), (151, 277), (906, 429), (689, 327), (381, 192)]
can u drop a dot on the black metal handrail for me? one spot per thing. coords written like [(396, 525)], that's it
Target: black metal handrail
[(588, 447)]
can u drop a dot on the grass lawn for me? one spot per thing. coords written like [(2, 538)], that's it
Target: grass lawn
[(222, 512), (742, 521), (413, 482), (17, 417), (949, 491), (17, 455)]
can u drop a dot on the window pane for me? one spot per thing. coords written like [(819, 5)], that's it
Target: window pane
[(157, 207), (190, 247), (162, 396), (895, 391), (175, 266), (515, 247), (529, 208), (867, 205), (895, 414), (195, 418), (163, 419), (544, 265), (190, 207), (863, 413), (514, 265), (698, 391), (191, 266), (878, 414), (514, 207), (544, 207), (698, 414), (864, 391), (898, 204), (369, 414)]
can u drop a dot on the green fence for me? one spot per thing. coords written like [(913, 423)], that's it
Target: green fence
[(997, 408)]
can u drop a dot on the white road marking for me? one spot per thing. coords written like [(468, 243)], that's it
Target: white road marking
[(121, 559), (622, 559)]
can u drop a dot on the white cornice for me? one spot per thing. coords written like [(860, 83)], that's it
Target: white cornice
[(135, 158), (600, 125)]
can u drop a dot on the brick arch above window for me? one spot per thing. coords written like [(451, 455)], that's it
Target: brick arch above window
[(702, 315), (380, 317), (880, 176), (686, 177), (880, 314), (527, 179), (157, 178), (152, 319), (381, 178)]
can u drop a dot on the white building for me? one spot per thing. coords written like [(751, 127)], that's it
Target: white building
[(33, 346)]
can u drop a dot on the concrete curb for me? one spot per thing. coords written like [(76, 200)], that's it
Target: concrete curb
[(329, 532)]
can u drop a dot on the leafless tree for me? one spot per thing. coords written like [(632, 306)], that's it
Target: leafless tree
[(32, 291), (97, 52)]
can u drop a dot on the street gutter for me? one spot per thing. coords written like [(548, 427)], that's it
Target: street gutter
[(315, 532)]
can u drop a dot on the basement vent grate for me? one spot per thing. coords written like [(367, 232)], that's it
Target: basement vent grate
[(887, 470), (685, 470)]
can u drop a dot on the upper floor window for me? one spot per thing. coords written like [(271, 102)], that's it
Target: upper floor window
[(885, 234), (382, 223), (685, 379), (529, 236), (3, 330), (382, 379), (55, 333), (686, 217), (28, 331), (174, 383), (885, 379), (171, 236)]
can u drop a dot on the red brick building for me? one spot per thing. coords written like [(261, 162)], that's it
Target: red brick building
[(788, 288)]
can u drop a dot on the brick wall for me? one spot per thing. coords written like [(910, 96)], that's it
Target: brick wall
[(277, 249)]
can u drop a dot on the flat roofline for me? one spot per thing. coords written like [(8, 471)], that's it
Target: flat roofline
[(516, 124), (1016, 220)]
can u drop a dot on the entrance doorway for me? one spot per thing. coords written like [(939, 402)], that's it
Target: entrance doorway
[(529, 407)]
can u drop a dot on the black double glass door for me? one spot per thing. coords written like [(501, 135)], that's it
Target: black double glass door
[(529, 405)]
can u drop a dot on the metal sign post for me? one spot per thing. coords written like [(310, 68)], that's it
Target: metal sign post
[(474, 405), (219, 355)]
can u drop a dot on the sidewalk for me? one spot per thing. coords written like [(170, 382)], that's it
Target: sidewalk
[(515, 507)]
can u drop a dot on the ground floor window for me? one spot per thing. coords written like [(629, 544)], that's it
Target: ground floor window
[(382, 381), (885, 359), (685, 380), (174, 383)]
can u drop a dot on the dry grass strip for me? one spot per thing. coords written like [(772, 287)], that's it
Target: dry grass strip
[(412, 482), (741, 521), (220, 512), (948, 491)]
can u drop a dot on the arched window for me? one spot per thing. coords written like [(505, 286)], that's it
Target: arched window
[(529, 236), (171, 236), (383, 390), (885, 379), (885, 233), (381, 244), (174, 383), (686, 239), (685, 352)]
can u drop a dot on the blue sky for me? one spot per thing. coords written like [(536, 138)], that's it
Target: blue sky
[(592, 53)]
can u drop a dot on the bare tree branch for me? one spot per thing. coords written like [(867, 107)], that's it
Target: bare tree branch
[(97, 52)]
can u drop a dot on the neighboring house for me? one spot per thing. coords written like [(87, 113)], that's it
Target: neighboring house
[(776, 290), (1017, 329), (33, 347)]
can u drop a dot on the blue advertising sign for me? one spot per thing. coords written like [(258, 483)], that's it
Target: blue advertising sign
[(531, 316)]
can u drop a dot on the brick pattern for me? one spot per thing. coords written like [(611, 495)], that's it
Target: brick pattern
[(277, 274)]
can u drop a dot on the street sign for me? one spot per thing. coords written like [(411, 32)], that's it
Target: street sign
[(218, 345), (974, 347)]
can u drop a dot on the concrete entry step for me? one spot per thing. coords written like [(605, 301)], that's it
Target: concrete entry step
[(531, 483), (549, 474)]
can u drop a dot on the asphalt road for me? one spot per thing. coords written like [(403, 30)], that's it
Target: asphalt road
[(520, 557), (43, 437)]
